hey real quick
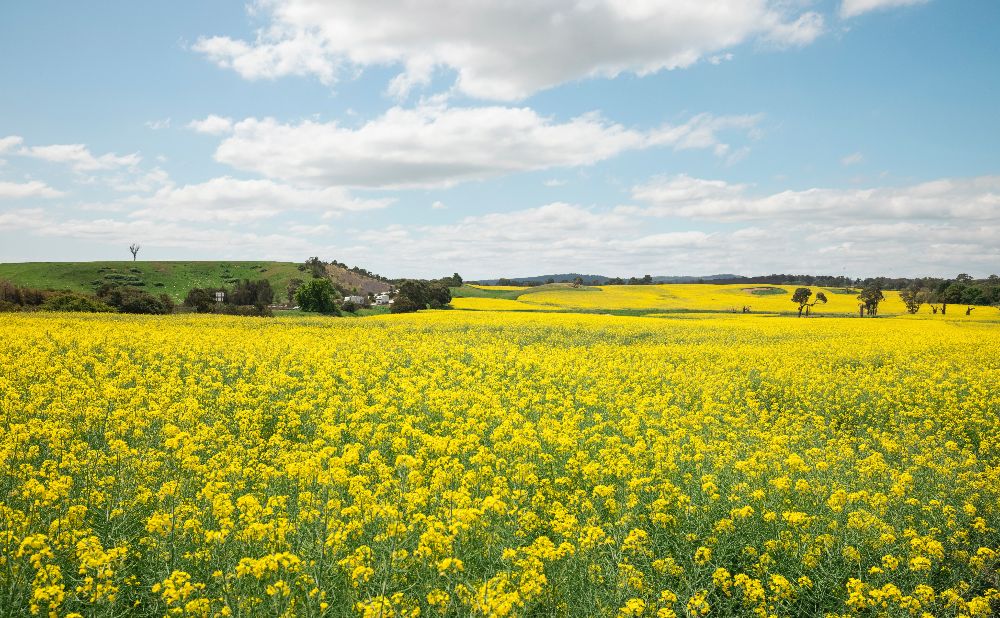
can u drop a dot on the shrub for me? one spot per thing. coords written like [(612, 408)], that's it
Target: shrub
[(256, 311), (17, 295), (76, 302), (132, 300), (202, 299)]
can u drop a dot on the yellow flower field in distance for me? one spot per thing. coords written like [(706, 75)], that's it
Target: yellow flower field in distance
[(703, 297), (489, 463), (493, 304), (500, 288)]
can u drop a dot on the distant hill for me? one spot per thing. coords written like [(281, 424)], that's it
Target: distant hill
[(602, 279), (173, 278)]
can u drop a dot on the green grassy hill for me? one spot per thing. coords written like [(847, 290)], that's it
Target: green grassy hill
[(173, 278)]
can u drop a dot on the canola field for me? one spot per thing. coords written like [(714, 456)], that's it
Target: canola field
[(499, 464), (678, 297)]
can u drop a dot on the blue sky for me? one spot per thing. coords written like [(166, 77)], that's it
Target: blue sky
[(682, 137)]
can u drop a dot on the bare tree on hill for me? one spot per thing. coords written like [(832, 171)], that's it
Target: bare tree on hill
[(134, 249)]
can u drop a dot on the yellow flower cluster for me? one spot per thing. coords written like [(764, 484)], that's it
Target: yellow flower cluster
[(699, 298), (499, 464)]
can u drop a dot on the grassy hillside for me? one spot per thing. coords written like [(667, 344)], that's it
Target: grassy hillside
[(173, 278)]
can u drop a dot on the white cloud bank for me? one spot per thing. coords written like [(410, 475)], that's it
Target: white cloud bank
[(941, 227), (502, 50), (967, 199), (32, 189), (235, 201), (79, 157), (433, 146)]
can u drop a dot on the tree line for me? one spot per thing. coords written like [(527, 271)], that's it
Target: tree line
[(106, 298)]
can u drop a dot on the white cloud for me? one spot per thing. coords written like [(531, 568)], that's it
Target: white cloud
[(434, 146), (9, 143), (853, 8), (556, 237), (563, 237), (804, 30), (503, 50), (554, 182), (236, 201), (141, 182), (79, 157), (212, 125), (32, 189), (156, 125), (438, 205), (670, 240), (969, 199), (272, 56), (852, 159), (165, 234), (24, 218)]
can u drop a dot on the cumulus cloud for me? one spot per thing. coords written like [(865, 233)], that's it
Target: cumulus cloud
[(804, 30), (79, 157), (971, 199), (503, 50), (853, 8), (212, 125), (434, 146), (232, 200), (9, 143), (24, 190)]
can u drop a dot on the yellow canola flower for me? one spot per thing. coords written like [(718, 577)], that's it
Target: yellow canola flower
[(501, 463)]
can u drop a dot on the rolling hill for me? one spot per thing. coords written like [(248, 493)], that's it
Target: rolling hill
[(172, 278)]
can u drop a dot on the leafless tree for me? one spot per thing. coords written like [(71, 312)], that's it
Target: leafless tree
[(134, 248)]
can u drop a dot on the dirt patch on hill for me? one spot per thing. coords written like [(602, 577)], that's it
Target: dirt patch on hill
[(351, 281)]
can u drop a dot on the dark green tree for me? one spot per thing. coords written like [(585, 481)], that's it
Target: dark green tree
[(820, 298), (414, 295), (913, 297), (871, 295), (317, 295), (802, 296), (293, 287), (257, 293), (316, 266)]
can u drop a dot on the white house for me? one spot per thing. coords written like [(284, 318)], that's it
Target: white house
[(357, 300), (383, 299)]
